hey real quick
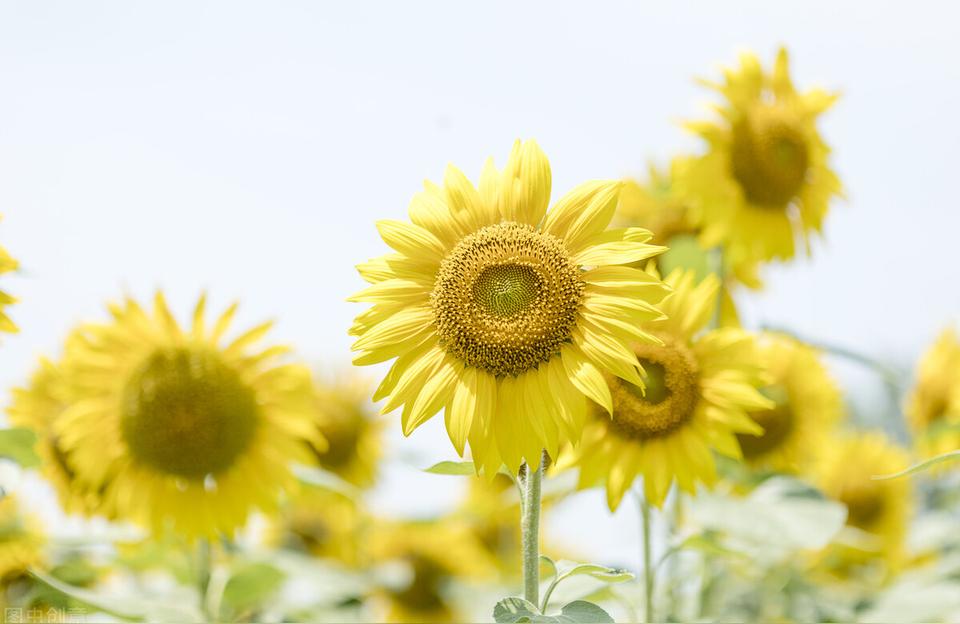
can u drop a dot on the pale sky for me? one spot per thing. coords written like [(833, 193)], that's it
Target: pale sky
[(248, 148)]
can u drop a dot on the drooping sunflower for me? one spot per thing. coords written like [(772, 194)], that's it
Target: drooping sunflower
[(37, 406), (7, 264), (21, 541), (878, 510), (351, 429), (933, 407), (807, 406), (503, 313), (699, 388), (765, 179), (435, 555), (183, 429), (323, 523)]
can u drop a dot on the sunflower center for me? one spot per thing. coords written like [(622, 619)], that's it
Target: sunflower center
[(777, 423), (769, 156), (671, 375), (186, 413), (506, 298), (342, 441), (423, 592), (865, 504)]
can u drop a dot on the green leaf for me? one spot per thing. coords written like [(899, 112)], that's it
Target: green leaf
[(252, 586), (582, 612), (515, 609), (124, 606), (685, 253), (551, 564), (453, 468), (567, 569), (924, 465), (18, 444), (318, 477)]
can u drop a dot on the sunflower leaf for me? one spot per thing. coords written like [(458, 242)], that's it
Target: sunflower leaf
[(454, 468), (252, 585), (17, 444), (920, 467), (566, 569), (515, 609), (582, 612), (318, 477)]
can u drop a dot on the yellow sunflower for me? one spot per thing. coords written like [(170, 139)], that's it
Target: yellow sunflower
[(324, 523), (21, 541), (183, 429), (7, 264), (699, 388), (352, 430), (877, 511), (765, 178), (434, 554), (933, 407), (37, 406), (807, 406), (504, 314)]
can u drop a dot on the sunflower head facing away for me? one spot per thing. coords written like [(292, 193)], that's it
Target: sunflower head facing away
[(180, 428), (7, 264), (351, 430), (807, 406), (765, 178), (699, 388), (504, 314), (933, 407), (877, 510), (21, 542), (38, 406)]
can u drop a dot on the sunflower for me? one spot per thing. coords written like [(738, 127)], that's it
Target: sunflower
[(21, 541), (699, 388), (933, 407), (434, 554), (7, 264), (37, 406), (323, 523), (504, 314), (182, 429), (807, 406), (877, 511), (352, 430), (765, 178)]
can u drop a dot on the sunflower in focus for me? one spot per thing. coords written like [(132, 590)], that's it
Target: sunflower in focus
[(351, 430), (433, 556), (183, 429), (21, 541), (323, 523), (765, 179), (699, 388), (7, 264), (505, 314), (807, 406), (933, 407), (37, 406), (877, 511)]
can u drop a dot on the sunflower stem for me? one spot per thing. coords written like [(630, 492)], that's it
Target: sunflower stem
[(530, 533), (648, 569), (203, 574)]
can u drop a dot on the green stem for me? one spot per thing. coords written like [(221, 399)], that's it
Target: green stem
[(203, 574), (530, 534), (648, 569)]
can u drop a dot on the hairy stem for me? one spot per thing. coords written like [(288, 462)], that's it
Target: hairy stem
[(648, 569), (530, 534)]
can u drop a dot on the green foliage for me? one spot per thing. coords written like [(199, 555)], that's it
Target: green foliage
[(453, 468), (249, 587), (921, 466), (17, 444), (515, 609), (685, 252)]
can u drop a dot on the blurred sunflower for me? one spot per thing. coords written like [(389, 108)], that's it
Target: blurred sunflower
[(184, 431), (352, 431), (806, 406), (504, 314), (37, 406), (494, 518), (933, 407), (7, 264), (434, 555), (323, 523), (699, 388), (21, 541), (878, 511), (765, 178)]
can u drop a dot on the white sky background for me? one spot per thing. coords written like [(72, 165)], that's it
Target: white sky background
[(248, 149)]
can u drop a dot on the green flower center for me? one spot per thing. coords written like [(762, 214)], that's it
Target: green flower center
[(769, 156), (507, 289), (186, 413)]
